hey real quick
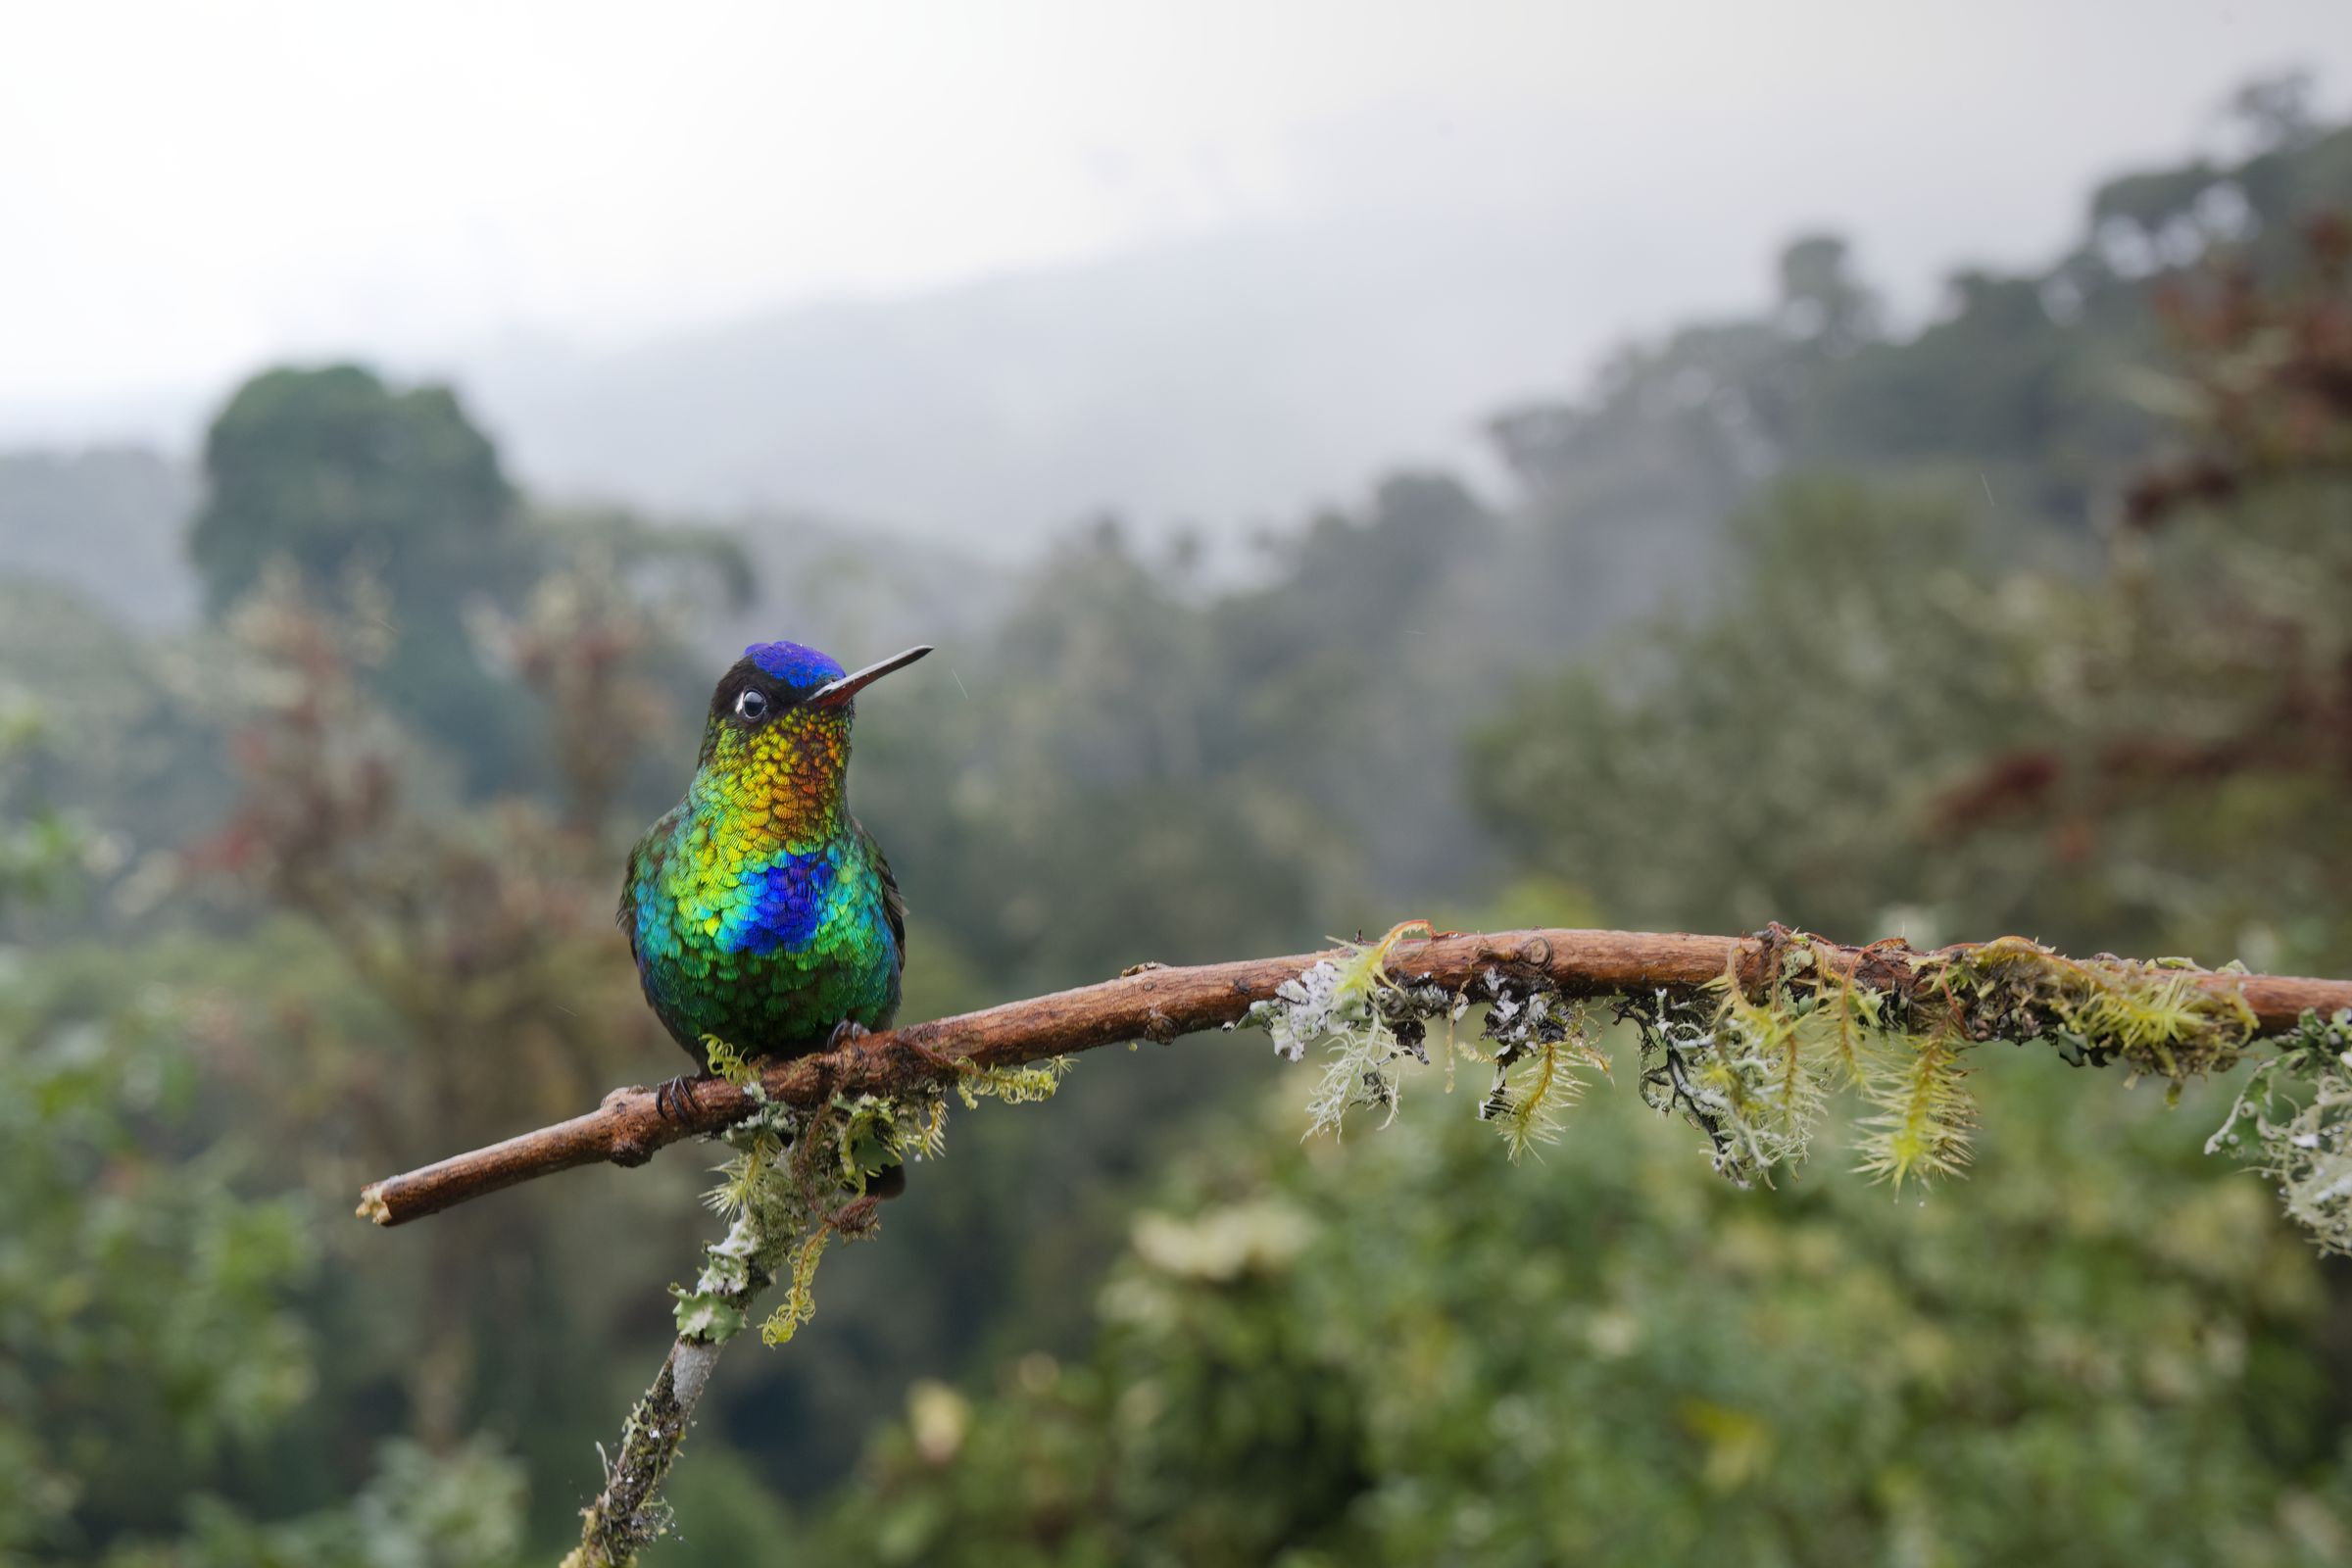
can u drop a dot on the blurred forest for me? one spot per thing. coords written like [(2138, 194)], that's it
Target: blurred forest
[(2028, 619)]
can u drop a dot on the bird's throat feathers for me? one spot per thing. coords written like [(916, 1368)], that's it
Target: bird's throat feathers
[(783, 783)]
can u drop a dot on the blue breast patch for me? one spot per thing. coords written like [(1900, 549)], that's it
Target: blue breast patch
[(782, 905)]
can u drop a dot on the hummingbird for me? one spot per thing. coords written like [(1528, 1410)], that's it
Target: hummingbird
[(759, 910)]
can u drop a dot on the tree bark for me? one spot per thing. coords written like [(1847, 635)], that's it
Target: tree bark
[(1157, 1003)]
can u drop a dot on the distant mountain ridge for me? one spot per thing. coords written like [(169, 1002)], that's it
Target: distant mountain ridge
[(1224, 383), (107, 522)]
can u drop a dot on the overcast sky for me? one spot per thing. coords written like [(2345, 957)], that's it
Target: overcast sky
[(187, 189)]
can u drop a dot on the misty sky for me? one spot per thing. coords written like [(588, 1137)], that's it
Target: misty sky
[(188, 189)]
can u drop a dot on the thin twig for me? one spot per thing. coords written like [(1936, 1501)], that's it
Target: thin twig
[(629, 1513)]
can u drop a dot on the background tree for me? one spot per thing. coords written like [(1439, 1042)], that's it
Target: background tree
[(345, 478)]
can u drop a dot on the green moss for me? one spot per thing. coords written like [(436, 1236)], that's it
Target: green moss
[(2159, 1018), (1922, 1111), (1025, 1085)]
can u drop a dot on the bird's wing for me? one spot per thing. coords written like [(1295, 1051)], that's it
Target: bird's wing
[(646, 855), (894, 902), (625, 916)]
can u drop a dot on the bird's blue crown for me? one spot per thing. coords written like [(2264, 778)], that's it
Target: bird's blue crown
[(793, 663)]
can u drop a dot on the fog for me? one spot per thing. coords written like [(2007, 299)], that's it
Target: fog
[(684, 264)]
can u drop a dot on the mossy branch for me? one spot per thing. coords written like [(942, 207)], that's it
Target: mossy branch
[(2161, 1016), (798, 1177)]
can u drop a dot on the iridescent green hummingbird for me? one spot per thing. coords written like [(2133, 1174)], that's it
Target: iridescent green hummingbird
[(760, 912)]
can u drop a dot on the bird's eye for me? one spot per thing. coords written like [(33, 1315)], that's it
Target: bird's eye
[(751, 706)]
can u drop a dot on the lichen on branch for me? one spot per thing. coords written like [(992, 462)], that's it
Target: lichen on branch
[(1755, 1057), (795, 1178), (2293, 1122)]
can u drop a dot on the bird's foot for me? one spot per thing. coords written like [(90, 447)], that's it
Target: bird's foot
[(844, 1032), (674, 1099), (938, 1061)]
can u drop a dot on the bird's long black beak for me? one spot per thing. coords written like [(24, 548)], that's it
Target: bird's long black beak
[(835, 693)]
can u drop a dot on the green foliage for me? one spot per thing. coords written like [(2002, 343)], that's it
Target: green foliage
[(1769, 761), (457, 1510), (1337, 1352), (37, 845), (344, 480), (1398, 1350), (336, 473), (117, 732), (151, 1315), (145, 1318)]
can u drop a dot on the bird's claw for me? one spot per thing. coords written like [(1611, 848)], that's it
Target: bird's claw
[(674, 1098)]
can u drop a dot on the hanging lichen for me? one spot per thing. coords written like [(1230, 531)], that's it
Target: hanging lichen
[(1756, 1059), (1363, 1020), (2293, 1122), (1541, 1046), (1922, 1111), (798, 1178)]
